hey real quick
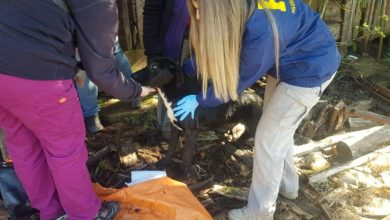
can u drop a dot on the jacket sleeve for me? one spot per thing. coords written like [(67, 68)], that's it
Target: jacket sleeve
[(97, 23), (257, 57), (153, 13)]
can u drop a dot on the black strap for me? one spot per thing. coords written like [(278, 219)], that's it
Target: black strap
[(62, 4)]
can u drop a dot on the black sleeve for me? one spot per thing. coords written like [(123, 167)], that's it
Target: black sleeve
[(153, 20)]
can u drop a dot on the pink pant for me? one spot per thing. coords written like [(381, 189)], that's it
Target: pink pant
[(44, 133)]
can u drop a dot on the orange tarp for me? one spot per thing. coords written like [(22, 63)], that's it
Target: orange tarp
[(159, 199)]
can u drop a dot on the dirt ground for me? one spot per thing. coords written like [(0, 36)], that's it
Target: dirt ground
[(134, 143)]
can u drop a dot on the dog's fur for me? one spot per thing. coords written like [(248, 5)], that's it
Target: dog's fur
[(164, 74)]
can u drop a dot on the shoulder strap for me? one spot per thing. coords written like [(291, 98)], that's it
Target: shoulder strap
[(62, 4)]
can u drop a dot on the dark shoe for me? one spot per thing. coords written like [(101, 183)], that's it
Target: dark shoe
[(107, 211), (93, 124)]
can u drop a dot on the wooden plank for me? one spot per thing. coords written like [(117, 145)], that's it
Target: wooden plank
[(126, 25), (139, 10)]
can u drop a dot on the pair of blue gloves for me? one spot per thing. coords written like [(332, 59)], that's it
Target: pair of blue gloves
[(187, 105)]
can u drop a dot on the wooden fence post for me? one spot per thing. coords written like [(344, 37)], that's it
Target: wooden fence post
[(140, 9)]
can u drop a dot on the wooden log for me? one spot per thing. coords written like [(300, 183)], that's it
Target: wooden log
[(329, 141), (383, 91), (310, 128), (359, 123), (357, 162), (371, 89), (337, 117), (354, 147), (372, 116)]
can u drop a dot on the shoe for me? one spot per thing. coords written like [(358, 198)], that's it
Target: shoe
[(288, 195), (93, 124), (244, 214), (107, 211)]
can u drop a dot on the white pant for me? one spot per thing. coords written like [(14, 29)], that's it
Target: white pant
[(284, 108)]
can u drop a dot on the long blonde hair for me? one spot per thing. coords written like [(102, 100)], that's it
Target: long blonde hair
[(216, 38)]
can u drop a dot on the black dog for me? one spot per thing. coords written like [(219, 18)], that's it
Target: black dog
[(164, 74)]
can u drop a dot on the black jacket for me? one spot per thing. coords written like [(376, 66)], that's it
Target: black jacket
[(157, 16)]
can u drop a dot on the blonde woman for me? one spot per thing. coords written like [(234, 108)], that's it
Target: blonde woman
[(236, 42)]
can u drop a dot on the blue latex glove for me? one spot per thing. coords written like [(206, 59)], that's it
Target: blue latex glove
[(185, 106)]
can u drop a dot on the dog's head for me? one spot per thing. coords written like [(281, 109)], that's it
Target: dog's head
[(159, 72)]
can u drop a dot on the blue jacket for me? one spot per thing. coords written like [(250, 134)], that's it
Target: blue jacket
[(38, 39), (308, 52)]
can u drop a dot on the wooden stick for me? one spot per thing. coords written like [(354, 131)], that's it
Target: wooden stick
[(199, 186), (99, 155), (357, 162), (232, 192), (297, 210), (325, 209), (329, 141), (316, 199), (382, 25), (370, 89), (324, 6), (369, 23)]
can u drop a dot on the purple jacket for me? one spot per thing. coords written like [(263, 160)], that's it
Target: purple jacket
[(38, 42)]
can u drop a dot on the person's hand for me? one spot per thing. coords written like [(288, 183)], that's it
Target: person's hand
[(146, 90), (185, 106)]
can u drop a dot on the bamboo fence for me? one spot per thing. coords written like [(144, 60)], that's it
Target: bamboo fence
[(351, 21)]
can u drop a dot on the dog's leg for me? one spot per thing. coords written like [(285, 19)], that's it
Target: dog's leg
[(175, 133), (250, 122), (189, 148)]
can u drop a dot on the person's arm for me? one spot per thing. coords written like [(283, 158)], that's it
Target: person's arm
[(152, 36), (97, 23), (257, 57)]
